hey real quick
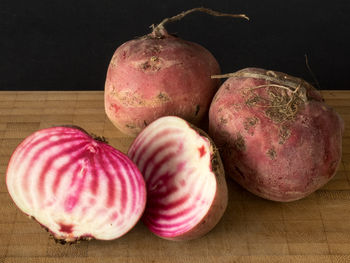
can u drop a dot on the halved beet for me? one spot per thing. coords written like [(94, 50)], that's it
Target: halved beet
[(75, 186), (186, 187)]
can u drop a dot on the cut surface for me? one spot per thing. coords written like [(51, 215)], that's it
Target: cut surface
[(175, 161), (75, 186)]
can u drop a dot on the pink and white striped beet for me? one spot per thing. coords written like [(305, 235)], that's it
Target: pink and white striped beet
[(186, 187), (75, 186)]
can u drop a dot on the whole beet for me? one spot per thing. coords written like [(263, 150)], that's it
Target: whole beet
[(159, 75), (278, 138), (155, 76)]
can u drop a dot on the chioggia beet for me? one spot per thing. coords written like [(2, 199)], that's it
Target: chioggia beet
[(75, 186), (277, 137), (186, 187), (158, 75)]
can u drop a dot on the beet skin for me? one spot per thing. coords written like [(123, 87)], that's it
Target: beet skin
[(159, 75), (277, 137)]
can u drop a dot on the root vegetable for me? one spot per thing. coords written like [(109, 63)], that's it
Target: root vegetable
[(186, 188), (278, 139), (159, 75), (75, 186)]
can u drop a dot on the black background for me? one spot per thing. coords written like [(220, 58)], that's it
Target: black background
[(67, 45)]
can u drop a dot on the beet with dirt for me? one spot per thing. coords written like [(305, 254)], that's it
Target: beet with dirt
[(159, 75), (277, 137)]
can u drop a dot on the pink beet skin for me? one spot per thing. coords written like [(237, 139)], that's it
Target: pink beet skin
[(274, 156), (157, 76)]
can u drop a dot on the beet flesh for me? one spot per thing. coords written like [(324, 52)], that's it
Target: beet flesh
[(76, 187), (186, 187)]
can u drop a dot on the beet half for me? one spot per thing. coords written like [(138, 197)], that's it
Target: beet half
[(186, 187), (75, 186)]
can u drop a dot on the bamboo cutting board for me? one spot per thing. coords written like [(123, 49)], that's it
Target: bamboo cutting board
[(315, 229)]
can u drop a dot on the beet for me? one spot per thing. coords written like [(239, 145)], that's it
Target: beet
[(159, 75), (75, 186), (186, 187), (277, 137)]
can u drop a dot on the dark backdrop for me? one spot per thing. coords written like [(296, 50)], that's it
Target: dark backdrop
[(67, 45)]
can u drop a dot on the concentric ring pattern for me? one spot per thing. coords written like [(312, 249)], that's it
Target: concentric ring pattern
[(75, 186), (175, 162)]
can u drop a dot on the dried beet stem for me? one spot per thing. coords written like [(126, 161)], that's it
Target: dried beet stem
[(159, 29), (311, 72), (286, 93), (287, 81)]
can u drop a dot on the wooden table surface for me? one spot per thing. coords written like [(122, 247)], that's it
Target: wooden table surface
[(315, 229)]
